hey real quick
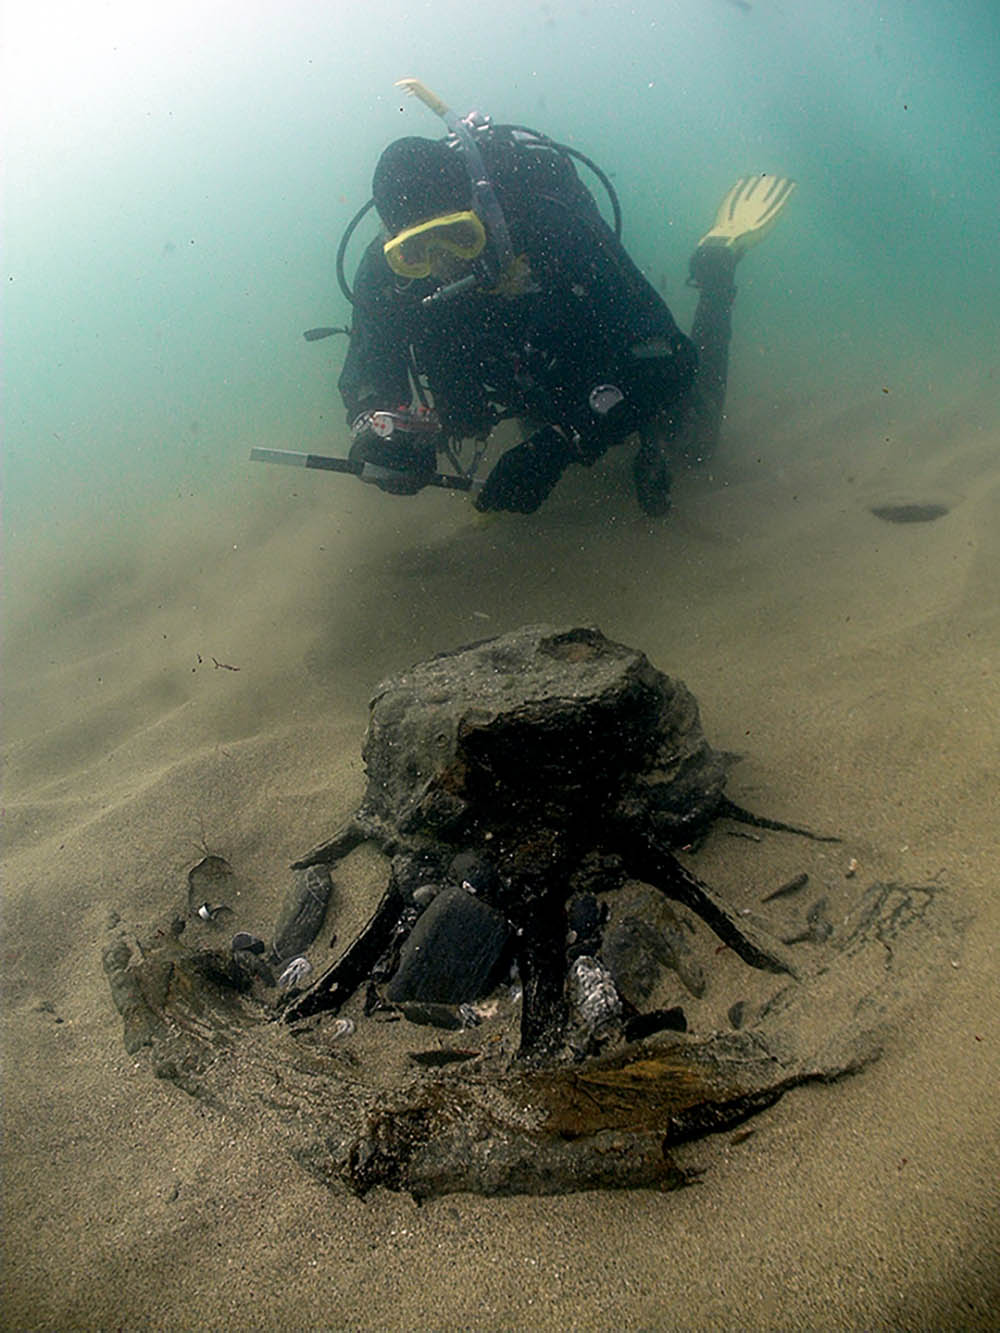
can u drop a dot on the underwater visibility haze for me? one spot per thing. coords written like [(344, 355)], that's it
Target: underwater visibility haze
[(191, 639), (178, 179)]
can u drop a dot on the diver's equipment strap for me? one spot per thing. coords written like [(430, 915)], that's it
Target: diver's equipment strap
[(355, 468), (487, 204)]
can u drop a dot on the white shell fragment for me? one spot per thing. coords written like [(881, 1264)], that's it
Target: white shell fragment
[(299, 969), (594, 1001)]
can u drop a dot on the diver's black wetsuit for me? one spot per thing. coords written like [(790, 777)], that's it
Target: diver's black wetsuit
[(585, 317)]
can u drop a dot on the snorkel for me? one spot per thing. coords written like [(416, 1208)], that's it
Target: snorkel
[(484, 198), (463, 134)]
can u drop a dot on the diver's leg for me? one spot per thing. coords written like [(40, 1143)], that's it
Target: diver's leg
[(746, 215), (700, 415), (689, 431), (651, 466)]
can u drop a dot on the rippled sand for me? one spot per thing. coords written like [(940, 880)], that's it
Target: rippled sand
[(203, 684)]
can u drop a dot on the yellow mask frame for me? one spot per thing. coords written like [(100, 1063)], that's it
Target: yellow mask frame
[(411, 252)]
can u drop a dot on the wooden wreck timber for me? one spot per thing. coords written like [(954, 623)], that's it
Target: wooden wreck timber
[(505, 781), (542, 752)]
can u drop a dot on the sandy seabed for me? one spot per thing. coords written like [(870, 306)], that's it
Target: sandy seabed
[(852, 662)]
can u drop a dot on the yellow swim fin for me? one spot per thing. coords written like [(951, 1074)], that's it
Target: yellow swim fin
[(748, 212)]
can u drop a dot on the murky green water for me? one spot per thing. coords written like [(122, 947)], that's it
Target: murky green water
[(178, 180)]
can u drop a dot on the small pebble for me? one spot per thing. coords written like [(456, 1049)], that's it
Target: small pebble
[(793, 886), (429, 1014), (641, 1026), (909, 513), (244, 940)]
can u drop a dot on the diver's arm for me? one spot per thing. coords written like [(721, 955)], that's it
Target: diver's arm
[(376, 370), (395, 445), (524, 476)]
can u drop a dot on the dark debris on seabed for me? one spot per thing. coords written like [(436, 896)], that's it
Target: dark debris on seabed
[(546, 997)]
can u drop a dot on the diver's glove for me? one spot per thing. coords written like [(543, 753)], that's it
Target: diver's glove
[(525, 475), (398, 449)]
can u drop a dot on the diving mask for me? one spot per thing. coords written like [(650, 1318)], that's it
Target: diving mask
[(411, 253)]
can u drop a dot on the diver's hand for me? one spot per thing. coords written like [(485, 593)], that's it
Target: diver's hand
[(398, 449), (525, 475)]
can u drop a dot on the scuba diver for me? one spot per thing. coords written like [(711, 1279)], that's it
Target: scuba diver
[(498, 290)]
